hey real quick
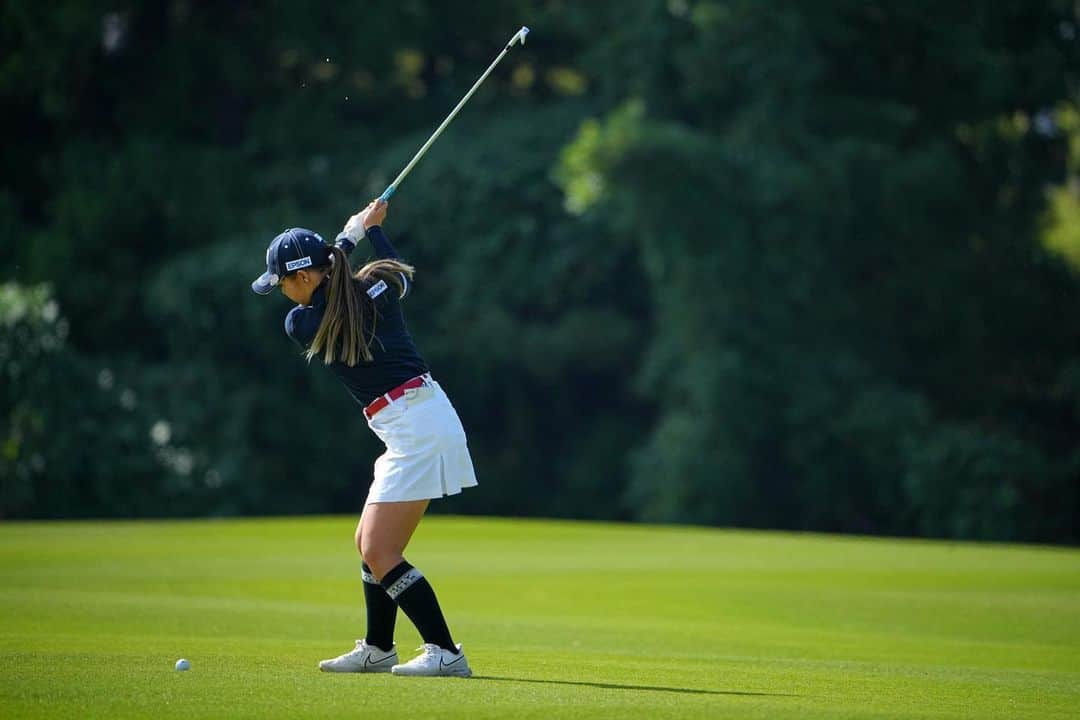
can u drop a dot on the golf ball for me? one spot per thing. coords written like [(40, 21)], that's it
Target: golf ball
[(182, 664)]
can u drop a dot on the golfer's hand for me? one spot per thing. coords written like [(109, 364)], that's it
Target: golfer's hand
[(374, 213)]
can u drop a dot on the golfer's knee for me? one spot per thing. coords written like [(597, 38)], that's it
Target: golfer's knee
[(380, 558), (359, 539)]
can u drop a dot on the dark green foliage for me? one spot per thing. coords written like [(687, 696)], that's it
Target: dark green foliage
[(765, 264), (845, 246), (74, 433)]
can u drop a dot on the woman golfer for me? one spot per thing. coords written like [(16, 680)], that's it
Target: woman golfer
[(353, 322)]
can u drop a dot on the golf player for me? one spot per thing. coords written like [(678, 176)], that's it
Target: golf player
[(353, 322)]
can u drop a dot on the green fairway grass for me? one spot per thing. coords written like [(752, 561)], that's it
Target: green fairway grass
[(559, 619)]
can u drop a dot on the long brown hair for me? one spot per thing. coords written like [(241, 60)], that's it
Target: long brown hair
[(348, 327)]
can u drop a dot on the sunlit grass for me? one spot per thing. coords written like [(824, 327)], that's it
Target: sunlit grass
[(558, 620)]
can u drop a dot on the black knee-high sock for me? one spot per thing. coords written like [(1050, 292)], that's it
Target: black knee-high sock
[(413, 594), (381, 612)]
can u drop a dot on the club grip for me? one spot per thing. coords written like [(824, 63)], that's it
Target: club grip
[(388, 193)]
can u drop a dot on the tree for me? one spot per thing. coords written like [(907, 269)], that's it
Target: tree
[(857, 326)]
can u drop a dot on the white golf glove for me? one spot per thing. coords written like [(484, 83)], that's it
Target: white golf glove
[(354, 228)]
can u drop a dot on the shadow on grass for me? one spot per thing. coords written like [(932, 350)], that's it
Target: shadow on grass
[(615, 686)]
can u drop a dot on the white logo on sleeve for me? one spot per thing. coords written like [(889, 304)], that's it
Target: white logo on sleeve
[(377, 289)]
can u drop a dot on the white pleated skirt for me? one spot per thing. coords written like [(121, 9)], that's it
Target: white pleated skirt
[(426, 454)]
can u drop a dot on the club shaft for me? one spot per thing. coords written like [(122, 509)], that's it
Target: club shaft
[(438, 131)]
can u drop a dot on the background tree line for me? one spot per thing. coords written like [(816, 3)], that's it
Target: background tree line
[(808, 266)]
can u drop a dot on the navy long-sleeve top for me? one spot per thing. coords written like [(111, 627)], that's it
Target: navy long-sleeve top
[(395, 357)]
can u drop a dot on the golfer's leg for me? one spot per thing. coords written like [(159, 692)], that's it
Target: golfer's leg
[(381, 608), (387, 529)]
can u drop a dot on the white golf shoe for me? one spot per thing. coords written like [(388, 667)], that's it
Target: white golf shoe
[(433, 661), (364, 659)]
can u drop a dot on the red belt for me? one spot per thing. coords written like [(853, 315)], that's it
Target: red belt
[(383, 400)]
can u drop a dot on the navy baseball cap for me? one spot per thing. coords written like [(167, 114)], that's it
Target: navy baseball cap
[(292, 250)]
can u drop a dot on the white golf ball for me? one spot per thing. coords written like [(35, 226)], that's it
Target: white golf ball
[(182, 664)]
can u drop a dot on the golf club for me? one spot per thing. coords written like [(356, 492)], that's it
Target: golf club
[(392, 188)]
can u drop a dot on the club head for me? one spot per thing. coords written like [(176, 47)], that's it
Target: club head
[(520, 35)]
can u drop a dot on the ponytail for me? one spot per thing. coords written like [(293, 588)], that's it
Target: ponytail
[(344, 333)]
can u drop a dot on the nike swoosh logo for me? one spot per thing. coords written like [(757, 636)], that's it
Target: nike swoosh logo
[(459, 657), (369, 663)]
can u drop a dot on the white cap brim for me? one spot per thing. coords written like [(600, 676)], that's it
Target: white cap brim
[(265, 283)]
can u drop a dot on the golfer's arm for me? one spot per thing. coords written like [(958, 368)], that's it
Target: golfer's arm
[(385, 250), (345, 242), (381, 244)]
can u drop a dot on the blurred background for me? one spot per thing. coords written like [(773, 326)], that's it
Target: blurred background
[(789, 265)]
